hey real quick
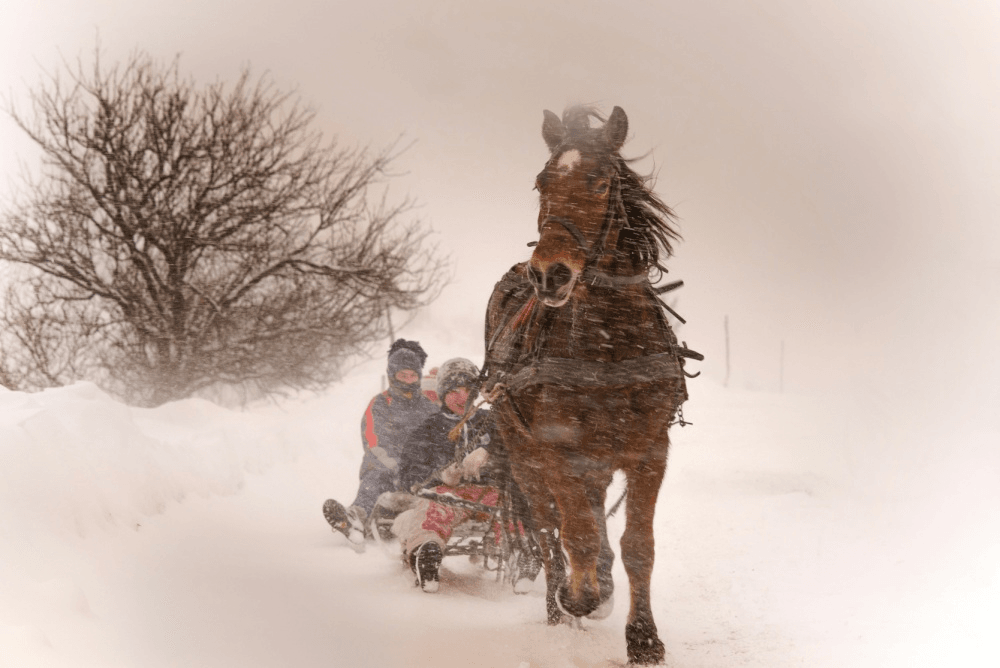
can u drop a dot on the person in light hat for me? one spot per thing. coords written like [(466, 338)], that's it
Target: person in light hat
[(387, 422), (475, 467)]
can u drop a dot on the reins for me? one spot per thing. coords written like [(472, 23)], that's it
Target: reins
[(470, 410)]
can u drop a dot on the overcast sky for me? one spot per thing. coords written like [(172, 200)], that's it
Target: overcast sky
[(834, 163)]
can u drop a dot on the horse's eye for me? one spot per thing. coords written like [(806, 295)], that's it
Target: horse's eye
[(601, 188)]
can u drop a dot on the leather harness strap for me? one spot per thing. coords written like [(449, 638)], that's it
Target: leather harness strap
[(589, 374)]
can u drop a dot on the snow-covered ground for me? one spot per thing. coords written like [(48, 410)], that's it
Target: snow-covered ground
[(191, 535)]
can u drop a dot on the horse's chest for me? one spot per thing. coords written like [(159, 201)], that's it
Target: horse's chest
[(572, 417)]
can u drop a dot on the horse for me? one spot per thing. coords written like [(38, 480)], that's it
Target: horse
[(584, 372)]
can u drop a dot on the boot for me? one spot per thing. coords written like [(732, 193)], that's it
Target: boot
[(336, 515), (346, 521), (425, 562), (526, 569)]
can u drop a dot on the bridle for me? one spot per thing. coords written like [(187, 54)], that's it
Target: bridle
[(594, 252)]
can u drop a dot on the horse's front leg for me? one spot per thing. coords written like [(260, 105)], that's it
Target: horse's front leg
[(643, 643), (597, 493), (580, 594)]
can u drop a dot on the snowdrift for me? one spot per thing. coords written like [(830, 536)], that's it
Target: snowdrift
[(191, 535)]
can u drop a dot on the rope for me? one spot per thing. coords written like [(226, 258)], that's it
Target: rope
[(456, 431)]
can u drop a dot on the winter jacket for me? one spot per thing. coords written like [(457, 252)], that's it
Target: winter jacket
[(429, 450), (388, 420)]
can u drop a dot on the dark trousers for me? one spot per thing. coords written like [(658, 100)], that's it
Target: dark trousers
[(374, 481)]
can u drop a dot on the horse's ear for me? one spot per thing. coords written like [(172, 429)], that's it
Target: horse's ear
[(553, 130), (616, 128)]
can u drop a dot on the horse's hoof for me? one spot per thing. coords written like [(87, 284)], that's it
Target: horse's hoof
[(557, 617), (604, 610), (582, 608), (644, 647), (607, 604), (651, 655)]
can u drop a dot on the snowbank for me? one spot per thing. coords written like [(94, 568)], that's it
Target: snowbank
[(789, 532), (80, 470), (77, 462)]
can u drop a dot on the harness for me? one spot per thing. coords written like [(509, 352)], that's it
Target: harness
[(520, 368), (575, 373)]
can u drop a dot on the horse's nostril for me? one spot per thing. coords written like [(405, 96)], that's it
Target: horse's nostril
[(559, 275), (554, 278)]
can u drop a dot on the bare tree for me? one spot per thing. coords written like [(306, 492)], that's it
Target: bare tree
[(180, 236)]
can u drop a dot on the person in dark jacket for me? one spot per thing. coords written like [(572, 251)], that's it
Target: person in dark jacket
[(428, 449), (474, 467), (387, 422)]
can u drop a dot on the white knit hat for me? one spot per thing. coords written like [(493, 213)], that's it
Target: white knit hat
[(456, 372)]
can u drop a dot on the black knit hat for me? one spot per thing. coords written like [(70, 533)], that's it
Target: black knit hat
[(405, 354), (409, 345)]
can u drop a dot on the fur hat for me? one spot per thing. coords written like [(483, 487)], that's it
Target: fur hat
[(456, 372)]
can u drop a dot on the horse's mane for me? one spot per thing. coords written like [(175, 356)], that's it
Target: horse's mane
[(651, 224)]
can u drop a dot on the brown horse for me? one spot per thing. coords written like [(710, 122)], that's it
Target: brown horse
[(584, 371)]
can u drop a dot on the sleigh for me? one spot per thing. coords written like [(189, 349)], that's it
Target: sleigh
[(499, 537)]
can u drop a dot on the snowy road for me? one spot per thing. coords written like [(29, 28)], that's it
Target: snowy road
[(766, 556)]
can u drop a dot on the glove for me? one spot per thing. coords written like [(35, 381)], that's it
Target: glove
[(473, 462), (452, 475)]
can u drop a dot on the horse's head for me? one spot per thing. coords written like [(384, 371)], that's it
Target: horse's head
[(579, 199)]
